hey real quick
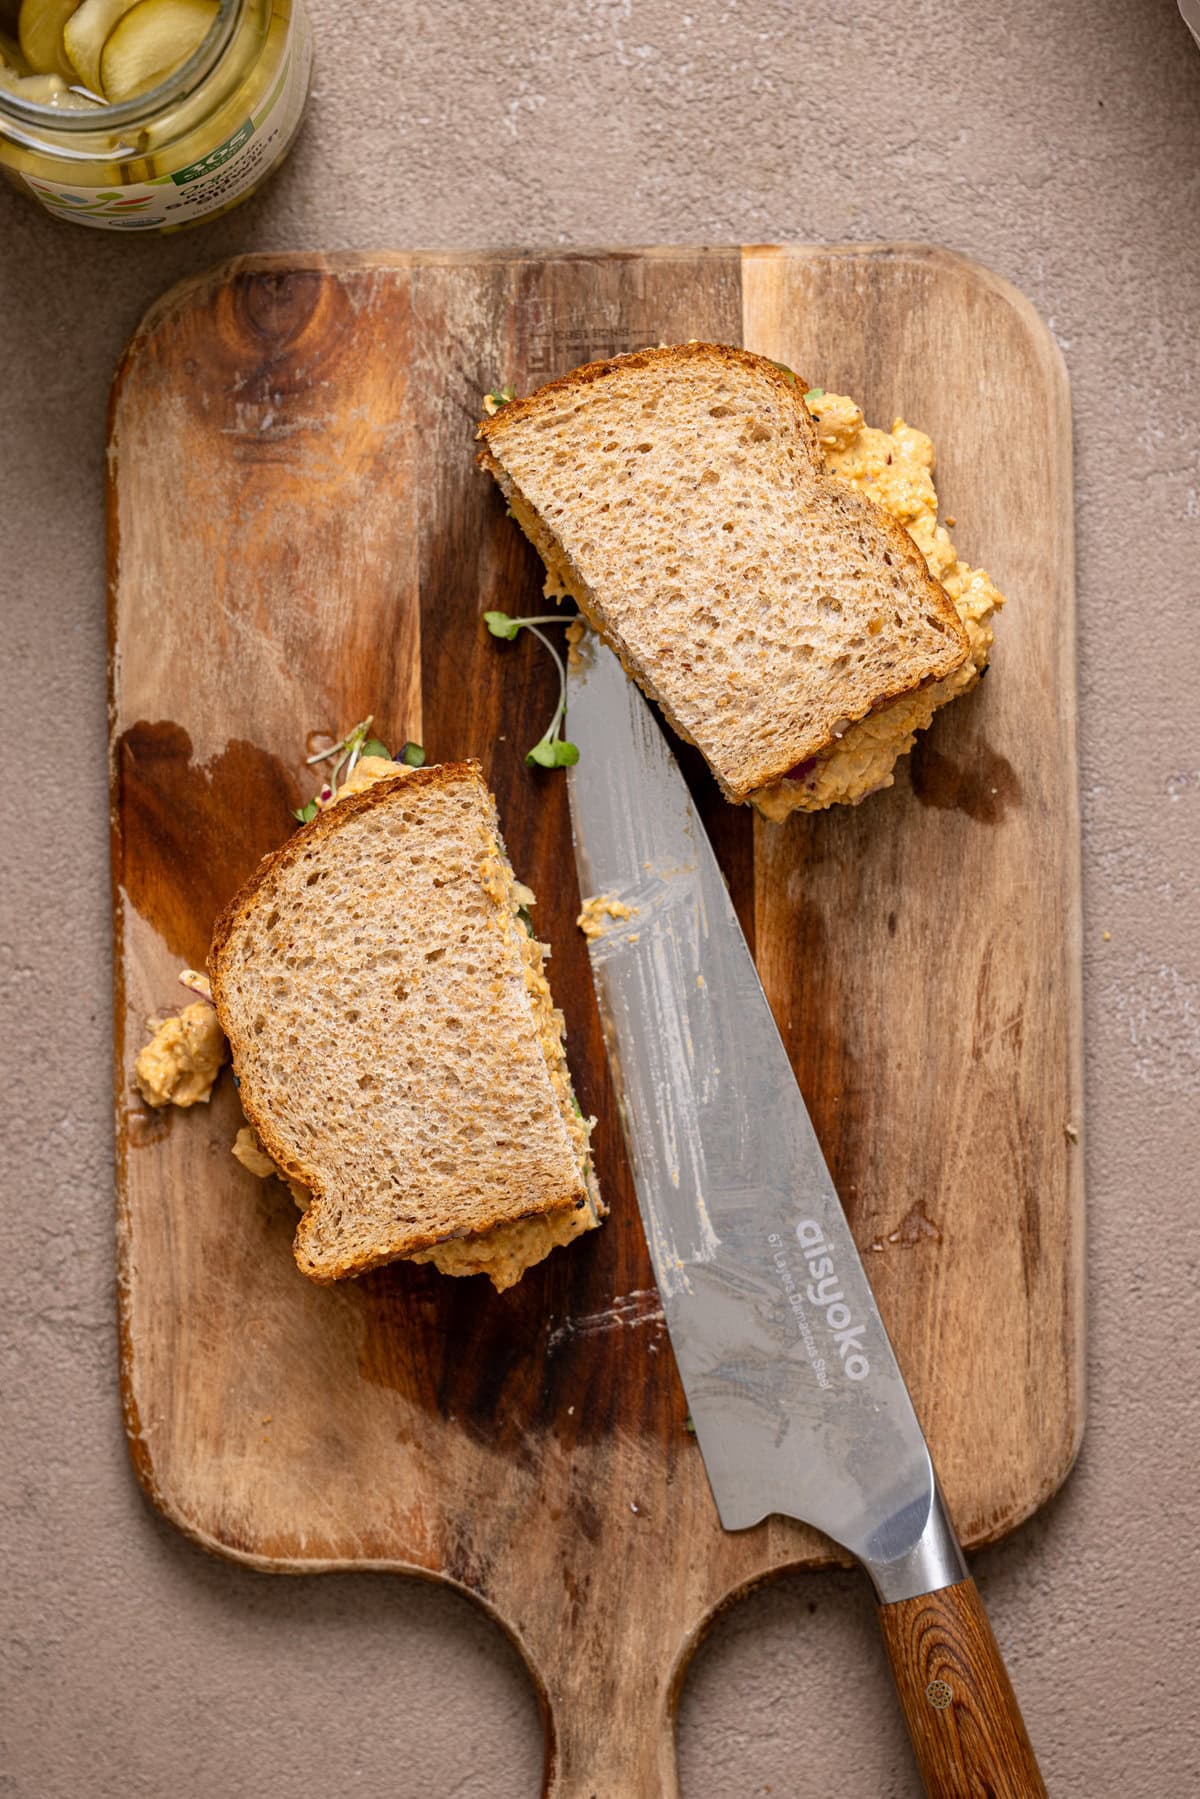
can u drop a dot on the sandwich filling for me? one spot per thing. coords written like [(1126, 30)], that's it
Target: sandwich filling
[(182, 1059)]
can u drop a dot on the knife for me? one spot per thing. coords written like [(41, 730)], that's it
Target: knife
[(797, 1399)]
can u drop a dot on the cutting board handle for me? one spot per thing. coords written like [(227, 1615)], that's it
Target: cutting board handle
[(962, 1714), (614, 1744)]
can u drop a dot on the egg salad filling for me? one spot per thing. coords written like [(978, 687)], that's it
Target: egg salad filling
[(180, 1063), (183, 1058), (895, 469)]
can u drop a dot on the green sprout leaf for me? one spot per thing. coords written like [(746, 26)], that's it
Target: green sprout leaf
[(412, 755), (306, 814), (785, 371), (689, 1425), (373, 747), (501, 625), (814, 393), (552, 750)]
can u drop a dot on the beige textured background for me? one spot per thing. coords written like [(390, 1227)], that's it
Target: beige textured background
[(1058, 143)]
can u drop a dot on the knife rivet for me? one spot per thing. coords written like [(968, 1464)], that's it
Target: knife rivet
[(939, 1694)]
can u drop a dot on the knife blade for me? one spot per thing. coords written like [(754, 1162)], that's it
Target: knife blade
[(798, 1401)]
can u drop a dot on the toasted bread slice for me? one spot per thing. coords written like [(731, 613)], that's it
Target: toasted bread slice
[(680, 497), (396, 1047)]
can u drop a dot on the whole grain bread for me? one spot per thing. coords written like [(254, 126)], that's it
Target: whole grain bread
[(680, 497), (391, 1030)]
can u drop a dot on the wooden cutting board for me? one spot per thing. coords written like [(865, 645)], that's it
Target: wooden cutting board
[(298, 536)]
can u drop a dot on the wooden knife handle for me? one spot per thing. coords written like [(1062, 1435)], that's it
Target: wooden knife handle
[(962, 1715)]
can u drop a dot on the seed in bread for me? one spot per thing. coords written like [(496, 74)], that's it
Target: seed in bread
[(397, 1050), (680, 496)]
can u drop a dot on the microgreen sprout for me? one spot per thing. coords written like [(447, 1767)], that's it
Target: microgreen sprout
[(788, 374), (496, 398), (814, 393), (552, 749), (345, 757), (346, 753)]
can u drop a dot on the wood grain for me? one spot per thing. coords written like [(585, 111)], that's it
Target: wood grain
[(963, 1719), (298, 536)]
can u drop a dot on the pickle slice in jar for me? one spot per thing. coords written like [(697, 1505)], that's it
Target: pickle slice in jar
[(85, 34), (149, 42), (39, 29)]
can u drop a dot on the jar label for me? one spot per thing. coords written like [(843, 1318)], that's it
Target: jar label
[(224, 174)]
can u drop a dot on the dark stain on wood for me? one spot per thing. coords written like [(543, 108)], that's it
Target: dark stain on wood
[(979, 782), (191, 833), (143, 1127)]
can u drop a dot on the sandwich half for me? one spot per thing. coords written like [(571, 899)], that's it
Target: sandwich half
[(398, 1054), (681, 498)]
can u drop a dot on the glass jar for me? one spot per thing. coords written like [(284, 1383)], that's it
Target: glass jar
[(201, 141)]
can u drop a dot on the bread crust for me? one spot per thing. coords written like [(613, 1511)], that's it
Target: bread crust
[(330, 820), (766, 772), (658, 356)]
